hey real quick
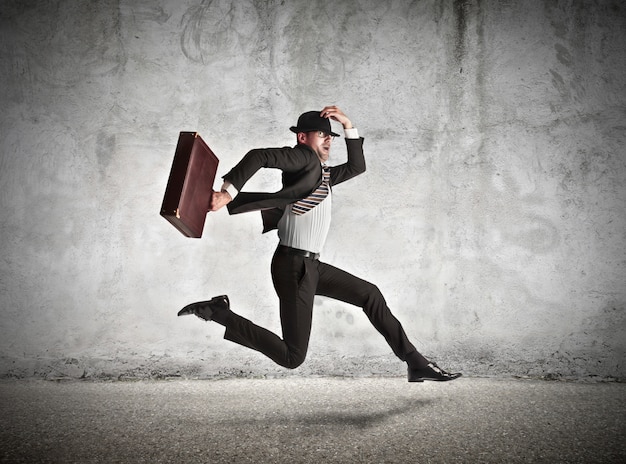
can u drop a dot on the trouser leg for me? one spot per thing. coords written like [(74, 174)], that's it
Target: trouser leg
[(295, 280), (338, 284)]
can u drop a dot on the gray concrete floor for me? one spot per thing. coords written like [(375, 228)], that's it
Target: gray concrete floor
[(320, 420)]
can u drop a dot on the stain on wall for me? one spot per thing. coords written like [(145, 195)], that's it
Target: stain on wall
[(219, 30)]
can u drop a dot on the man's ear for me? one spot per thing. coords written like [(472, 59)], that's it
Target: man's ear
[(301, 137)]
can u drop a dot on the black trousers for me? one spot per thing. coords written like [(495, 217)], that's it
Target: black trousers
[(297, 280)]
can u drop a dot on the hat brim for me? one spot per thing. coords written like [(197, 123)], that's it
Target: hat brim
[(295, 130)]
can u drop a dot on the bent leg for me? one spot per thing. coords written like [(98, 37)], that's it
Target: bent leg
[(295, 279)]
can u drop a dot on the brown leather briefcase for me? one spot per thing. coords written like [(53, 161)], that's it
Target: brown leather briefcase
[(190, 185)]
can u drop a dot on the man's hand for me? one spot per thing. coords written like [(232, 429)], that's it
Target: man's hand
[(219, 199), (336, 114)]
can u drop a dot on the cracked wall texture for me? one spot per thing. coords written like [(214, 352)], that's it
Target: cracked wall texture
[(492, 215)]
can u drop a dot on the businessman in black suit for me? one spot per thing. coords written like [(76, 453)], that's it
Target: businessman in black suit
[(301, 211)]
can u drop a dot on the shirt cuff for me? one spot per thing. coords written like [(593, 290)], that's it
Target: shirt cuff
[(230, 188), (351, 133)]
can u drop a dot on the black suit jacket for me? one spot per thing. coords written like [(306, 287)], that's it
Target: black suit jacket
[(301, 175)]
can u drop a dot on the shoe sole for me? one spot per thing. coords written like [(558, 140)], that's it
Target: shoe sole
[(188, 310), (433, 380)]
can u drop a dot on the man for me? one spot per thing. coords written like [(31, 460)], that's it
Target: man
[(301, 211)]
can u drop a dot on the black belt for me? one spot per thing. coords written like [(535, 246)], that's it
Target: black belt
[(295, 251)]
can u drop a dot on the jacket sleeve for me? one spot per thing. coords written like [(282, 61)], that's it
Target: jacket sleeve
[(351, 168), (300, 169), (286, 159)]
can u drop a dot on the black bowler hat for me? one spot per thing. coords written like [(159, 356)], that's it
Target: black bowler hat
[(312, 121)]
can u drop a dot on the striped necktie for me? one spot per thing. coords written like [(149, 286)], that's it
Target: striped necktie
[(306, 204)]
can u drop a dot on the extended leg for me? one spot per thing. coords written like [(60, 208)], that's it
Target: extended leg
[(341, 285)]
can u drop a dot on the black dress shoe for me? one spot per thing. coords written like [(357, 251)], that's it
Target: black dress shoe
[(206, 309), (431, 372)]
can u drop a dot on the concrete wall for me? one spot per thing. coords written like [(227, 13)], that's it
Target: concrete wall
[(494, 215)]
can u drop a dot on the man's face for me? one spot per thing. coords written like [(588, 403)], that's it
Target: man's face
[(319, 141)]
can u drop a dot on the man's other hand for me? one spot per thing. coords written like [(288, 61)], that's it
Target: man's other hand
[(336, 114)]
